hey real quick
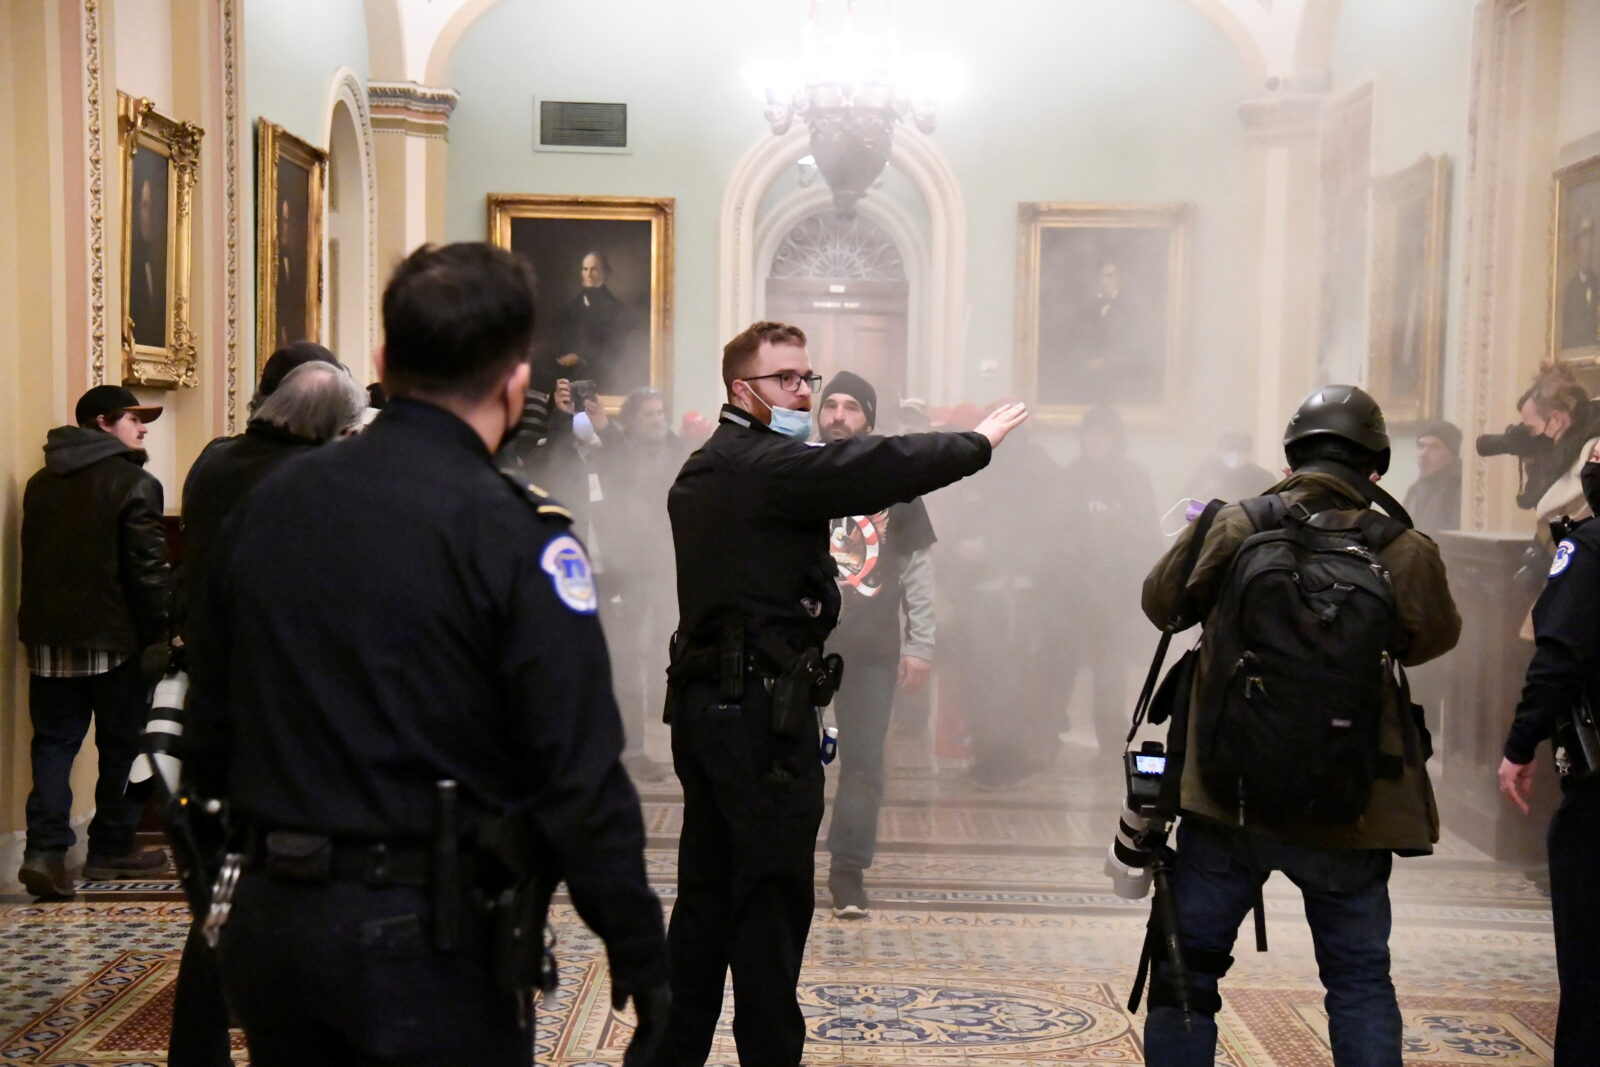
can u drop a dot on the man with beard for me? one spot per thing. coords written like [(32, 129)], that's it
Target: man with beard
[(885, 573), (757, 597)]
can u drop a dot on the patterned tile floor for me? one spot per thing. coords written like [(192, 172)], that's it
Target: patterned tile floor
[(994, 942)]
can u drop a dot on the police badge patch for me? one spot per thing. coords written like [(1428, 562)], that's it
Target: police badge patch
[(1564, 553), (568, 566)]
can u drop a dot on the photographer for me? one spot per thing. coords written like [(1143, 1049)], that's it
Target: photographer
[(1560, 423), (1306, 724), (1562, 685)]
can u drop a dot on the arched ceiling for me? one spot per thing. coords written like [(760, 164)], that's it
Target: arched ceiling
[(415, 40)]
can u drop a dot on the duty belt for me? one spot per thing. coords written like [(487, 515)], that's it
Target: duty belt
[(304, 857)]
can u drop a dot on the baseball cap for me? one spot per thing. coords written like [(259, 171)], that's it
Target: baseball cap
[(111, 401)]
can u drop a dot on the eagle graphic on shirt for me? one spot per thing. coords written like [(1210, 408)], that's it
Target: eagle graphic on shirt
[(856, 544)]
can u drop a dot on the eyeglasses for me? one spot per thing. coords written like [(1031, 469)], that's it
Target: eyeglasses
[(789, 381)]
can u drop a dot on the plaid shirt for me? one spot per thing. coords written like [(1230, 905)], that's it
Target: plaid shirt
[(49, 661)]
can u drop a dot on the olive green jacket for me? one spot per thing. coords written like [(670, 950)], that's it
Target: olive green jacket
[(1402, 815)]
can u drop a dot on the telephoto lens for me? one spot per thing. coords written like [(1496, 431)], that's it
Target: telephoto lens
[(1517, 440), (162, 734), (1127, 864)]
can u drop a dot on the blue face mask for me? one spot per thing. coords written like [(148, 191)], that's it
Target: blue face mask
[(787, 421)]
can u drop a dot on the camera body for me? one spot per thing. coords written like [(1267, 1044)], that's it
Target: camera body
[(1145, 770), (1517, 440), (583, 390), (1143, 827)]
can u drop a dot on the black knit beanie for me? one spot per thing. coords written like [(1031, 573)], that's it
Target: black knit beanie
[(853, 385)]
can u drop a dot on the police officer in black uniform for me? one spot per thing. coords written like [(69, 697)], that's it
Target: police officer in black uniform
[(757, 596), (393, 615), (1564, 677)]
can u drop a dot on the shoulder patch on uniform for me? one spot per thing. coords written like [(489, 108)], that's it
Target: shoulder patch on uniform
[(568, 566), (1564, 553)]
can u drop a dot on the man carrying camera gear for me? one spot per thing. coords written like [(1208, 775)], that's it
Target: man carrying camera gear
[(1304, 753), (1559, 698), (757, 596), (400, 647)]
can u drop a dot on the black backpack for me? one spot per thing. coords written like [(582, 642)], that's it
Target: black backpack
[(1305, 634)]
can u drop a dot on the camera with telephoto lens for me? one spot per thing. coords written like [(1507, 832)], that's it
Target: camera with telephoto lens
[(1141, 828), (1517, 440)]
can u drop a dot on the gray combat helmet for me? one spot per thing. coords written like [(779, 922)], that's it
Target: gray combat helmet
[(1342, 411)]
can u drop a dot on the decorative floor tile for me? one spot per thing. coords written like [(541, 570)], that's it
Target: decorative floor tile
[(994, 941)]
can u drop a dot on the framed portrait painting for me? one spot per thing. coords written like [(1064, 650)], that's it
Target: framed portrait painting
[(1575, 265), (603, 270), (1101, 305), (160, 161), (1410, 247), (289, 181)]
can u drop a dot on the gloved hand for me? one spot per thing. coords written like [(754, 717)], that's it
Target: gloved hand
[(652, 1006), (154, 662)]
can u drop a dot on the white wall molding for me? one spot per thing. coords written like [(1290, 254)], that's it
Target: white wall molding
[(348, 90)]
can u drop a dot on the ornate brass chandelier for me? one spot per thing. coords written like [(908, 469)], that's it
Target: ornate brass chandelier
[(851, 90)]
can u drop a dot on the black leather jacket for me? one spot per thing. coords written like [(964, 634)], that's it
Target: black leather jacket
[(94, 554)]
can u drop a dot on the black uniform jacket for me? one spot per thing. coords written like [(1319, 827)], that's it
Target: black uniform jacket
[(391, 611), (750, 513), (1566, 628), (94, 554), (217, 484)]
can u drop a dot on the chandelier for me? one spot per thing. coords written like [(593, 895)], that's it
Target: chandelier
[(851, 89)]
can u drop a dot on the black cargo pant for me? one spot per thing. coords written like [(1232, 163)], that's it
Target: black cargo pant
[(1575, 902), (752, 804), (341, 973)]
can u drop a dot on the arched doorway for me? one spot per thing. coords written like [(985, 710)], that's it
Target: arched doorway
[(348, 283), (843, 281)]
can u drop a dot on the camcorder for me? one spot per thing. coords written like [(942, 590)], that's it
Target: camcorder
[(1517, 440), (1142, 827)]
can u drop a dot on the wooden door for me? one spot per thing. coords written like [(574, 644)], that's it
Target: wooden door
[(857, 326)]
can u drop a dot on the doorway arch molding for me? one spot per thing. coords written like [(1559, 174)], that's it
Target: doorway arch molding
[(907, 234), (743, 256)]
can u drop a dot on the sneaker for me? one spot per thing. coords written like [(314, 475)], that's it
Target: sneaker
[(142, 863), (642, 768), (849, 894), (45, 876)]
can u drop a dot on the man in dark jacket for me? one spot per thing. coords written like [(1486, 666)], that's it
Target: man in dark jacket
[(1225, 851), (1563, 677), (95, 585), (757, 596), (1434, 499), (314, 403)]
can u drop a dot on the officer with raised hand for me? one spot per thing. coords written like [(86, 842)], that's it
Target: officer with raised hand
[(757, 596), (1559, 697), (401, 650)]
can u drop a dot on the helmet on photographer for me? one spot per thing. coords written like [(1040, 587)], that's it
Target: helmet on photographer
[(1333, 418)]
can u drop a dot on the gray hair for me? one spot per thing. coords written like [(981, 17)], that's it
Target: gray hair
[(317, 401)]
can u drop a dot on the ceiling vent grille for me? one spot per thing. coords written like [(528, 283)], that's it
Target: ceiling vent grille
[(570, 125)]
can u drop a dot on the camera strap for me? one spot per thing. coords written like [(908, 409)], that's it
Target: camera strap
[(1191, 556), (1370, 491)]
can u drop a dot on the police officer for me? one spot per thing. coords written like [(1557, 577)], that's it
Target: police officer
[(1564, 673), (756, 598), (393, 615)]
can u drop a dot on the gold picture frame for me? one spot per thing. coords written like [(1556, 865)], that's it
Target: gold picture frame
[(160, 163), (626, 334), (1410, 274), (1102, 307), (290, 176), (1574, 330)]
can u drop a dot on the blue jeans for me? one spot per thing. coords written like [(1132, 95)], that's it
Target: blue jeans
[(862, 706), (1215, 880), (119, 703)]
